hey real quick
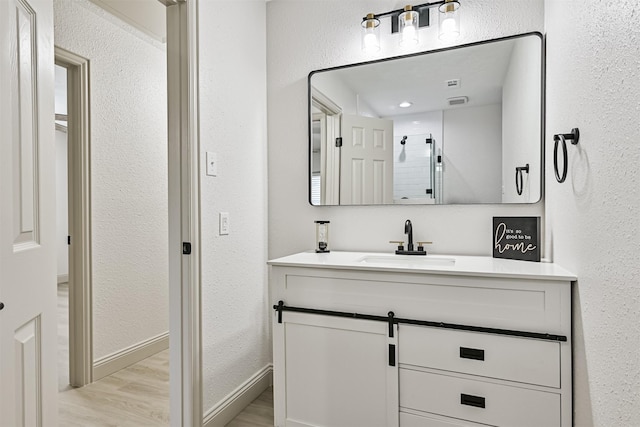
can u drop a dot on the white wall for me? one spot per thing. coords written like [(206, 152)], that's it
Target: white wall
[(128, 172), (593, 218), (233, 118), (520, 126), (62, 224), (472, 170), (310, 35)]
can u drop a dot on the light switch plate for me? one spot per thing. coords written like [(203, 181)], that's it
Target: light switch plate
[(212, 164), (224, 223)]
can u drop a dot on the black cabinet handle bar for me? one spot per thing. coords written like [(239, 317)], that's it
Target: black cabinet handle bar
[(280, 307)]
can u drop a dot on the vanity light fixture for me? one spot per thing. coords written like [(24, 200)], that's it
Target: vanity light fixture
[(408, 20)]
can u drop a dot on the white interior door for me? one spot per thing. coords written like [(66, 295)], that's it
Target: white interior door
[(366, 161), (28, 333)]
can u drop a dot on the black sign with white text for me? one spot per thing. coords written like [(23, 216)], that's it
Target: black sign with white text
[(517, 238)]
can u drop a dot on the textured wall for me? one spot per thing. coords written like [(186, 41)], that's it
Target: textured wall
[(593, 219), (128, 172), (308, 35), (235, 315)]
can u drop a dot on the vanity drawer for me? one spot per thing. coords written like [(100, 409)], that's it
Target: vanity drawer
[(509, 358), (478, 401), (412, 420)]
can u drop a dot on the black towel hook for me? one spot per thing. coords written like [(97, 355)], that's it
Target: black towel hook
[(562, 138), (519, 179)]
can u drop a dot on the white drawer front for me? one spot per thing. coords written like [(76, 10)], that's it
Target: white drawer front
[(503, 405), (411, 420), (495, 356)]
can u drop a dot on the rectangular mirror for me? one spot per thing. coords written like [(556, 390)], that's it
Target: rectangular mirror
[(461, 125)]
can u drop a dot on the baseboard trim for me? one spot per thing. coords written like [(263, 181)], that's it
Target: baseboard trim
[(229, 407), (107, 365), (63, 278)]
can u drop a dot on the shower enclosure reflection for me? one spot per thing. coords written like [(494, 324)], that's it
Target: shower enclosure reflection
[(414, 170)]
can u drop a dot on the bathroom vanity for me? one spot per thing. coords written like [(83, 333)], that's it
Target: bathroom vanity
[(365, 339)]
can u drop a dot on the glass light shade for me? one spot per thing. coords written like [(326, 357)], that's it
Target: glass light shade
[(408, 28), (370, 34), (449, 21)]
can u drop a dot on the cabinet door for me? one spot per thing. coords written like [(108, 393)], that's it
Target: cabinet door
[(332, 371)]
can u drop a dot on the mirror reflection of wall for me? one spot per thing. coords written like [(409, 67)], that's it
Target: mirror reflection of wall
[(481, 104)]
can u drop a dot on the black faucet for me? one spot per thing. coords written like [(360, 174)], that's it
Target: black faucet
[(408, 229)]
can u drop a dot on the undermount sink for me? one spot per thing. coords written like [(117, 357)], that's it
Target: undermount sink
[(410, 261)]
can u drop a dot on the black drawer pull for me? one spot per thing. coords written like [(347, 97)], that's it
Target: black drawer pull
[(471, 353), (469, 400)]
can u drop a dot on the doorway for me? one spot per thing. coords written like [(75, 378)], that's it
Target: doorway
[(118, 226), (74, 219), (62, 225)]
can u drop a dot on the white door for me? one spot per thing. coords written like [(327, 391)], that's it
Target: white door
[(28, 332), (366, 161)]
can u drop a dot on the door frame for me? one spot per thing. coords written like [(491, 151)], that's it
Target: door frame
[(330, 167), (185, 348), (79, 204)]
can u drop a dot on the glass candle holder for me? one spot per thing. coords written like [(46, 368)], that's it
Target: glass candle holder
[(322, 236)]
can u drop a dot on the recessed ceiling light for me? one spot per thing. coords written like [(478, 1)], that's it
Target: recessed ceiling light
[(405, 104), (415, 122)]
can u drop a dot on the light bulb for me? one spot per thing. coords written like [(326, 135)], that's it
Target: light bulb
[(409, 37), (371, 43), (448, 27)]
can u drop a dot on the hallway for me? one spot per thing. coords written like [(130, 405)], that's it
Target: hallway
[(132, 397)]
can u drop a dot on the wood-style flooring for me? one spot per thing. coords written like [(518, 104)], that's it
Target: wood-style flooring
[(137, 396), (258, 414)]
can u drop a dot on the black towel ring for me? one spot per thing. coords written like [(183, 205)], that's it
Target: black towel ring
[(519, 179), (574, 137)]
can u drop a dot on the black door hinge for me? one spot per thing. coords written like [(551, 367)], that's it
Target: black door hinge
[(186, 248), (68, 240), (339, 141)]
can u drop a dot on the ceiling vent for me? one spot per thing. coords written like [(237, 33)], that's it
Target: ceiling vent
[(458, 100)]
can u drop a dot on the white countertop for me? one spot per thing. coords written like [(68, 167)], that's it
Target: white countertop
[(458, 265)]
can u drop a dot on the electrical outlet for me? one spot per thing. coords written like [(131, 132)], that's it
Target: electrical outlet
[(224, 223)]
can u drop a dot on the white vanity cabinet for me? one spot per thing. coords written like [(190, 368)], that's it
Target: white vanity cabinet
[(472, 341)]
